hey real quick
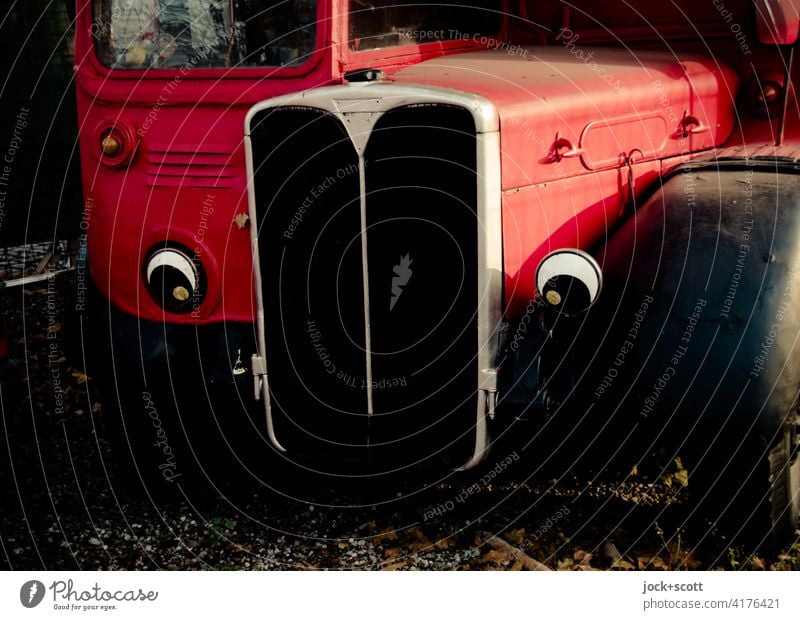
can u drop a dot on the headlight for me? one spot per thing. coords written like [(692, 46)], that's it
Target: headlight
[(569, 280), (175, 279)]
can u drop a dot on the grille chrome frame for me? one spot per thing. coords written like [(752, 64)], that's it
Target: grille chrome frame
[(359, 107)]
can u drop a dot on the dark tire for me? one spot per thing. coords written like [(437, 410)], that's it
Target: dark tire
[(784, 481), (133, 425), (749, 499), (177, 419), (138, 463)]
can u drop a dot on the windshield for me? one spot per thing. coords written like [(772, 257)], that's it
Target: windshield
[(388, 23), (137, 34)]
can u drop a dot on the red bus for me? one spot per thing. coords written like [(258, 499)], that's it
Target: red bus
[(395, 232)]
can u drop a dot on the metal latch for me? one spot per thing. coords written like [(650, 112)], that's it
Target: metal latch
[(487, 383), (487, 379)]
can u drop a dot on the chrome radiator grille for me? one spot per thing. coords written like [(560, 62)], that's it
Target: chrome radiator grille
[(414, 337)]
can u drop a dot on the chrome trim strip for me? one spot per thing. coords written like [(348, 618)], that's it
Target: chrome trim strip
[(485, 405), (262, 383), (375, 98), (490, 287), (362, 182), (358, 106)]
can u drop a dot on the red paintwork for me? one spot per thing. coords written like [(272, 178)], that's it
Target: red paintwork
[(546, 91), (538, 92), (202, 114), (131, 208), (610, 108)]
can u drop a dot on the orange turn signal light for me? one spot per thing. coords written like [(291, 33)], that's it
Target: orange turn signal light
[(116, 143), (110, 145)]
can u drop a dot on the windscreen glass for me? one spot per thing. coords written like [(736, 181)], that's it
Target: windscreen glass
[(138, 34), (388, 23)]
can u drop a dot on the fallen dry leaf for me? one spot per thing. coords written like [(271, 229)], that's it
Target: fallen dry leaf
[(658, 563), (80, 378), (581, 556), (241, 220), (565, 564), (498, 557), (419, 542), (500, 545), (392, 552), (396, 565), (389, 535), (515, 537), (420, 545)]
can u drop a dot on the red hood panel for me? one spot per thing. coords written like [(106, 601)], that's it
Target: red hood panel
[(606, 102)]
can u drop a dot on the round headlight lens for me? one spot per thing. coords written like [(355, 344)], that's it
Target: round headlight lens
[(569, 281)]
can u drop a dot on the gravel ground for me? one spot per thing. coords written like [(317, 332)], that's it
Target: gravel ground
[(62, 505)]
